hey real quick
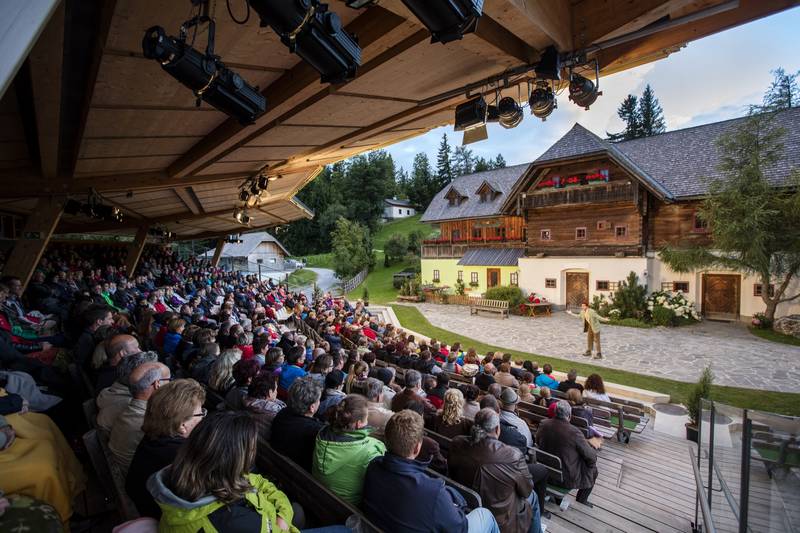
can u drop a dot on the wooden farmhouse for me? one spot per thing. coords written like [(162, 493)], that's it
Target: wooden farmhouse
[(586, 213)]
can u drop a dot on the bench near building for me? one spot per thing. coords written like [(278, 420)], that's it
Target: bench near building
[(581, 217)]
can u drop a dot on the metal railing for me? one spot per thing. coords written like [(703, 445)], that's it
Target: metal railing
[(607, 193)]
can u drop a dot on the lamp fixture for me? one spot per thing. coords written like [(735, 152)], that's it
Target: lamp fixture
[(204, 73), (358, 4), (241, 216), (447, 20), (314, 33), (542, 100), (93, 207), (509, 112), (584, 91)]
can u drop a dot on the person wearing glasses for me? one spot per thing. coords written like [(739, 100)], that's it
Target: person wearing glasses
[(173, 411), (126, 431)]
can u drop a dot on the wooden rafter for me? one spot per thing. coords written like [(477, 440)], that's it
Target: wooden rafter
[(553, 17)]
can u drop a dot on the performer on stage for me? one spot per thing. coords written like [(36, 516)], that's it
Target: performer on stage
[(591, 326)]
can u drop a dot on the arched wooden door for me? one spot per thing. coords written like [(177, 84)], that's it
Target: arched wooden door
[(721, 296), (577, 289)]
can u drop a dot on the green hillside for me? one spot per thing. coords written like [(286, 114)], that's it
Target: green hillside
[(403, 226)]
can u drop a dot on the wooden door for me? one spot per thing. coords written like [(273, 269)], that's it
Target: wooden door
[(721, 296), (577, 289), (492, 277)]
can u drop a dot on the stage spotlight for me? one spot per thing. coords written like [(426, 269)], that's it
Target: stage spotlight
[(470, 114), (447, 20), (583, 91), (510, 112), (207, 76), (244, 195), (262, 182), (549, 66), (72, 207), (542, 101), (309, 29), (240, 216), (358, 4)]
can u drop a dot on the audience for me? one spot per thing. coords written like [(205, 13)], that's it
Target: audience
[(578, 458), (594, 389), (570, 382), (419, 502), (545, 379), (508, 414), (243, 373), (294, 429), (172, 413), (344, 449), (220, 375), (471, 405), (504, 376), (497, 472), (450, 421), (378, 415), (112, 400), (332, 394), (412, 392), (486, 378), (262, 399)]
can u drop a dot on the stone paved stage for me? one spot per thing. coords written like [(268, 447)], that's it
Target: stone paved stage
[(737, 357)]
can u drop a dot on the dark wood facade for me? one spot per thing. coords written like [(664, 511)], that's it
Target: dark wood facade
[(456, 236)]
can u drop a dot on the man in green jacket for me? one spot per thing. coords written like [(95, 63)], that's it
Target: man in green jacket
[(591, 325)]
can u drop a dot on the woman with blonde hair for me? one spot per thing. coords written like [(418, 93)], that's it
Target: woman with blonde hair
[(358, 373), (220, 378), (450, 421)]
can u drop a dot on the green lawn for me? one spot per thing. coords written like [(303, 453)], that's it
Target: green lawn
[(379, 281), (302, 278), (774, 336), (776, 402), (403, 226)]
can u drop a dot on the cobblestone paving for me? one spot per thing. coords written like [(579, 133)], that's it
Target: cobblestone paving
[(737, 357)]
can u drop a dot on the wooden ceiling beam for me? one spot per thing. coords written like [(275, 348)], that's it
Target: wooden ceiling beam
[(185, 196), (46, 62), (507, 42), (553, 17), (370, 26), (216, 234)]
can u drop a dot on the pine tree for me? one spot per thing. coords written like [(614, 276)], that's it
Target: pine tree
[(499, 161), (482, 165), (628, 111), (401, 181), (422, 185), (651, 113), (463, 161), (444, 171), (783, 92)]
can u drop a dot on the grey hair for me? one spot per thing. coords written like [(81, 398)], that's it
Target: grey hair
[(413, 378), (563, 410), (572, 375), (145, 382), (129, 363), (486, 421), (303, 393), (374, 389)]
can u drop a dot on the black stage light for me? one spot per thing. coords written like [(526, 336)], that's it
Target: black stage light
[(549, 66), (510, 112), (244, 195), (583, 91), (358, 4), (542, 101), (262, 182), (254, 190), (447, 20), (205, 75), (309, 29), (470, 114), (72, 207)]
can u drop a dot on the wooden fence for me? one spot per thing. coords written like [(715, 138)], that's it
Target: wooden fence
[(352, 283)]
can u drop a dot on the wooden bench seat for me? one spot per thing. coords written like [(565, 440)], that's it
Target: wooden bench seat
[(492, 306)]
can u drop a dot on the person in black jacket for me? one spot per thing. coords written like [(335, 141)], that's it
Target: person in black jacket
[(294, 429), (173, 411)]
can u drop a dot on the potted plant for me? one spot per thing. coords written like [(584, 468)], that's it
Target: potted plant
[(700, 391), (365, 297)]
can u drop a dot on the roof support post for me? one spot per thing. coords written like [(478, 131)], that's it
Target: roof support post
[(218, 252), (135, 250), (35, 235)]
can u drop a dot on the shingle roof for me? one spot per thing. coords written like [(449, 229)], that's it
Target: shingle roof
[(399, 203), (250, 242), (578, 141), (491, 256), (502, 180)]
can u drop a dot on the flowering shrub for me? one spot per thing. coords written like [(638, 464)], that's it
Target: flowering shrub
[(761, 321), (684, 311)]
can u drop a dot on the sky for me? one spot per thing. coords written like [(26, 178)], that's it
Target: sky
[(709, 80)]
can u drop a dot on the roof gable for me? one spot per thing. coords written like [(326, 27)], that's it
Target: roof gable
[(578, 141)]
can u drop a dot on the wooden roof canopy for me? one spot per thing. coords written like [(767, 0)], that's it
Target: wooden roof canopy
[(87, 111)]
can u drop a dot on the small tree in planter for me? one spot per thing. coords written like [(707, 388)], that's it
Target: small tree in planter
[(631, 298), (700, 391), (365, 296), (316, 293)]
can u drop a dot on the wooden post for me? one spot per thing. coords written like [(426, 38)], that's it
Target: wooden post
[(135, 250), (218, 252), (35, 235)]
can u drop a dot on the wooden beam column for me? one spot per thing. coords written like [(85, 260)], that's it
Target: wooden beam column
[(135, 250), (218, 252), (37, 232)]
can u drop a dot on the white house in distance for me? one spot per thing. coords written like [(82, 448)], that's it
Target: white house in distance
[(259, 248), (394, 209)]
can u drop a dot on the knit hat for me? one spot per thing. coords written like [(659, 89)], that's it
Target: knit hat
[(509, 397)]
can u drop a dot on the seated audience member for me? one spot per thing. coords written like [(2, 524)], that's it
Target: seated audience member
[(126, 431), (262, 399), (294, 429), (114, 399), (531, 367), (378, 414), (210, 485), (508, 413), (220, 376), (498, 473), (94, 317), (419, 502), (292, 369), (545, 379), (486, 378), (117, 348), (508, 432), (527, 390), (358, 374), (321, 367), (450, 421), (344, 449), (495, 389), (575, 400), (174, 335), (172, 413), (431, 452), (545, 399), (595, 389), (452, 365), (570, 382), (559, 437), (243, 373), (411, 393), (207, 355), (471, 405), (386, 375), (436, 394), (274, 361), (332, 394), (35, 458), (504, 376), (260, 348)]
